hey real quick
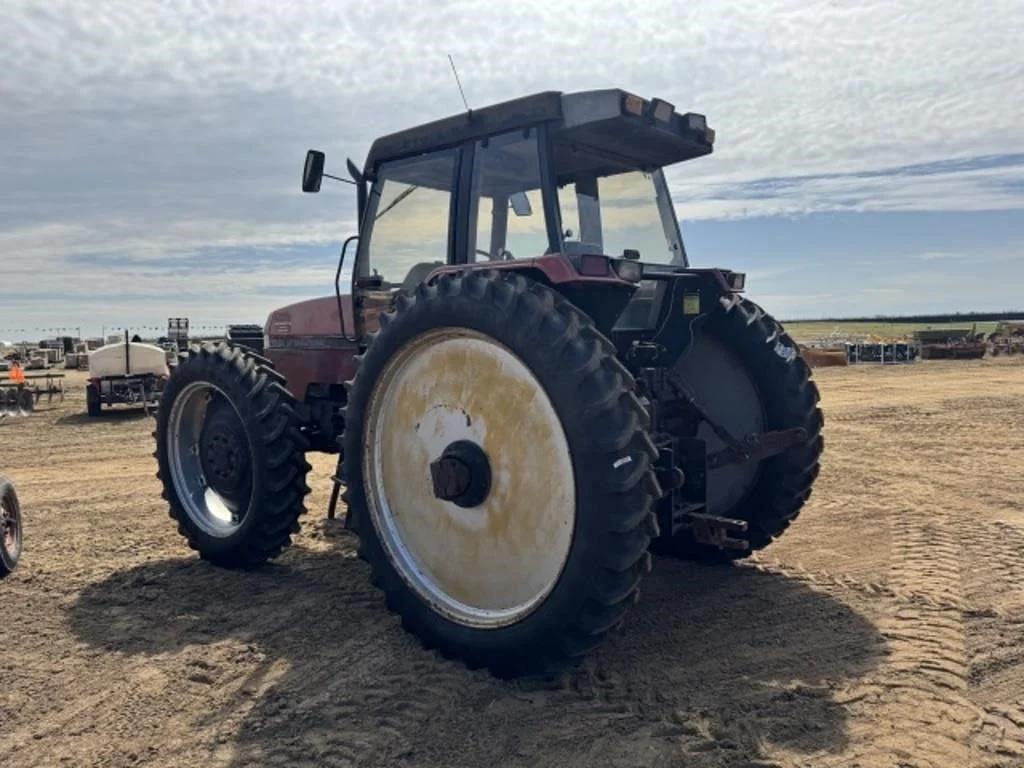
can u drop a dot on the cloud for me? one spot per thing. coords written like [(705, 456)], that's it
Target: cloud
[(147, 135)]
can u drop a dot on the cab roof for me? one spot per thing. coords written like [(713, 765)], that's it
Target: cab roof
[(594, 132)]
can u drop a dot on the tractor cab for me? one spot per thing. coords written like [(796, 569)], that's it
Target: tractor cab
[(567, 187)]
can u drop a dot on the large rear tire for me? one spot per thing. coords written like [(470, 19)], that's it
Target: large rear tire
[(539, 549), (231, 456), (10, 528), (747, 373)]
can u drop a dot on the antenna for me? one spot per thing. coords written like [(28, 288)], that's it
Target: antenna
[(459, 83)]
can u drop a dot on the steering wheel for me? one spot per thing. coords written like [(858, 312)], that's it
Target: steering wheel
[(505, 255)]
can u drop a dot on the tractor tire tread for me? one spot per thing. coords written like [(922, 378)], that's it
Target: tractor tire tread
[(785, 485), (620, 514), (267, 411)]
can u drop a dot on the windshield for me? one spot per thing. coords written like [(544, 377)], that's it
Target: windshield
[(613, 214)]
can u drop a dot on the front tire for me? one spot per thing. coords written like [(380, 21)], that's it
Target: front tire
[(10, 528), (548, 555), (231, 456)]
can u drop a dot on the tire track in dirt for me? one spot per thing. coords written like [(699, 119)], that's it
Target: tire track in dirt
[(129, 650), (996, 622), (927, 691), (922, 690)]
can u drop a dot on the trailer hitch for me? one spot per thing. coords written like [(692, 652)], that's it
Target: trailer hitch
[(717, 531), (757, 446)]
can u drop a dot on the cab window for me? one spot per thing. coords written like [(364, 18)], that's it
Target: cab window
[(506, 205), (409, 215), (613, 214)]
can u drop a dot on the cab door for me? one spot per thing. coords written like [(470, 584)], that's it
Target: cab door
[(408, 231), (512, 213)]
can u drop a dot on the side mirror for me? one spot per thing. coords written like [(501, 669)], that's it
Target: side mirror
[(313, 172), (520, 204)]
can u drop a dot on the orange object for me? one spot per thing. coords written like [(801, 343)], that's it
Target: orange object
[(17, 375)]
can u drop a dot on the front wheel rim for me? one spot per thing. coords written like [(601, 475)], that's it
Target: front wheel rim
[(215, 514), (491, 564)]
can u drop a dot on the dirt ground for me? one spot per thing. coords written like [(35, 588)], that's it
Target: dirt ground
[(885, 629)]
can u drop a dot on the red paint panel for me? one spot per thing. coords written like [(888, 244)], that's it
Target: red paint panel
[(313, 317), (302, 367)]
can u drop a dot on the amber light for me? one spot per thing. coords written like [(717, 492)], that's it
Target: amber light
[(633, 104)]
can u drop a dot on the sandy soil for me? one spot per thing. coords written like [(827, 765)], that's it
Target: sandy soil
[(883, 630)]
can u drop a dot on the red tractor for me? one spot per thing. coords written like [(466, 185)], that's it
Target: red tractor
[(527, 385)]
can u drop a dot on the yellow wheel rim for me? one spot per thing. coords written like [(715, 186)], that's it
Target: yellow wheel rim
[(489, 565)]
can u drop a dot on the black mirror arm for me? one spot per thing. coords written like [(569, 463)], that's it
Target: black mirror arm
[(339, 178)]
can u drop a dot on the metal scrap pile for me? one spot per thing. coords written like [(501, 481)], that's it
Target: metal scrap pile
[(951, 343), (1007, 338)]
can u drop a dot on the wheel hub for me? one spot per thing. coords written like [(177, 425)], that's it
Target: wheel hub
[(462, 474), (223, 454), (210, 459)]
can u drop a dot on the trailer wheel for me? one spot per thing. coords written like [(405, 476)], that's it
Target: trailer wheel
[(93, 405), (747, 373), (231, 456), (10, 527), (499, 472), (26, 400)]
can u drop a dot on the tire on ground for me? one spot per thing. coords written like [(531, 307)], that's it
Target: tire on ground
[(10, 527), (789, 399), (248, 410), (26, 400), (574, 371), (92, 401)]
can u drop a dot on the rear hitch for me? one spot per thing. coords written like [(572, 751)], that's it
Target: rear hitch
[(717, 531)]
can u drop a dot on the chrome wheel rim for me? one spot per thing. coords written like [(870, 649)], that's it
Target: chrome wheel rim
[(492, 563), (210, 509)]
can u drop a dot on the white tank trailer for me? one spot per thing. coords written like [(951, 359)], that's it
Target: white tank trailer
[(128, 372)]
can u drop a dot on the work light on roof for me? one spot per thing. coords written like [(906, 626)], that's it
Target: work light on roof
[(661, 110)]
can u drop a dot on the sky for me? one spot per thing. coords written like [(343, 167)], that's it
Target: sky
[(869, 155)]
